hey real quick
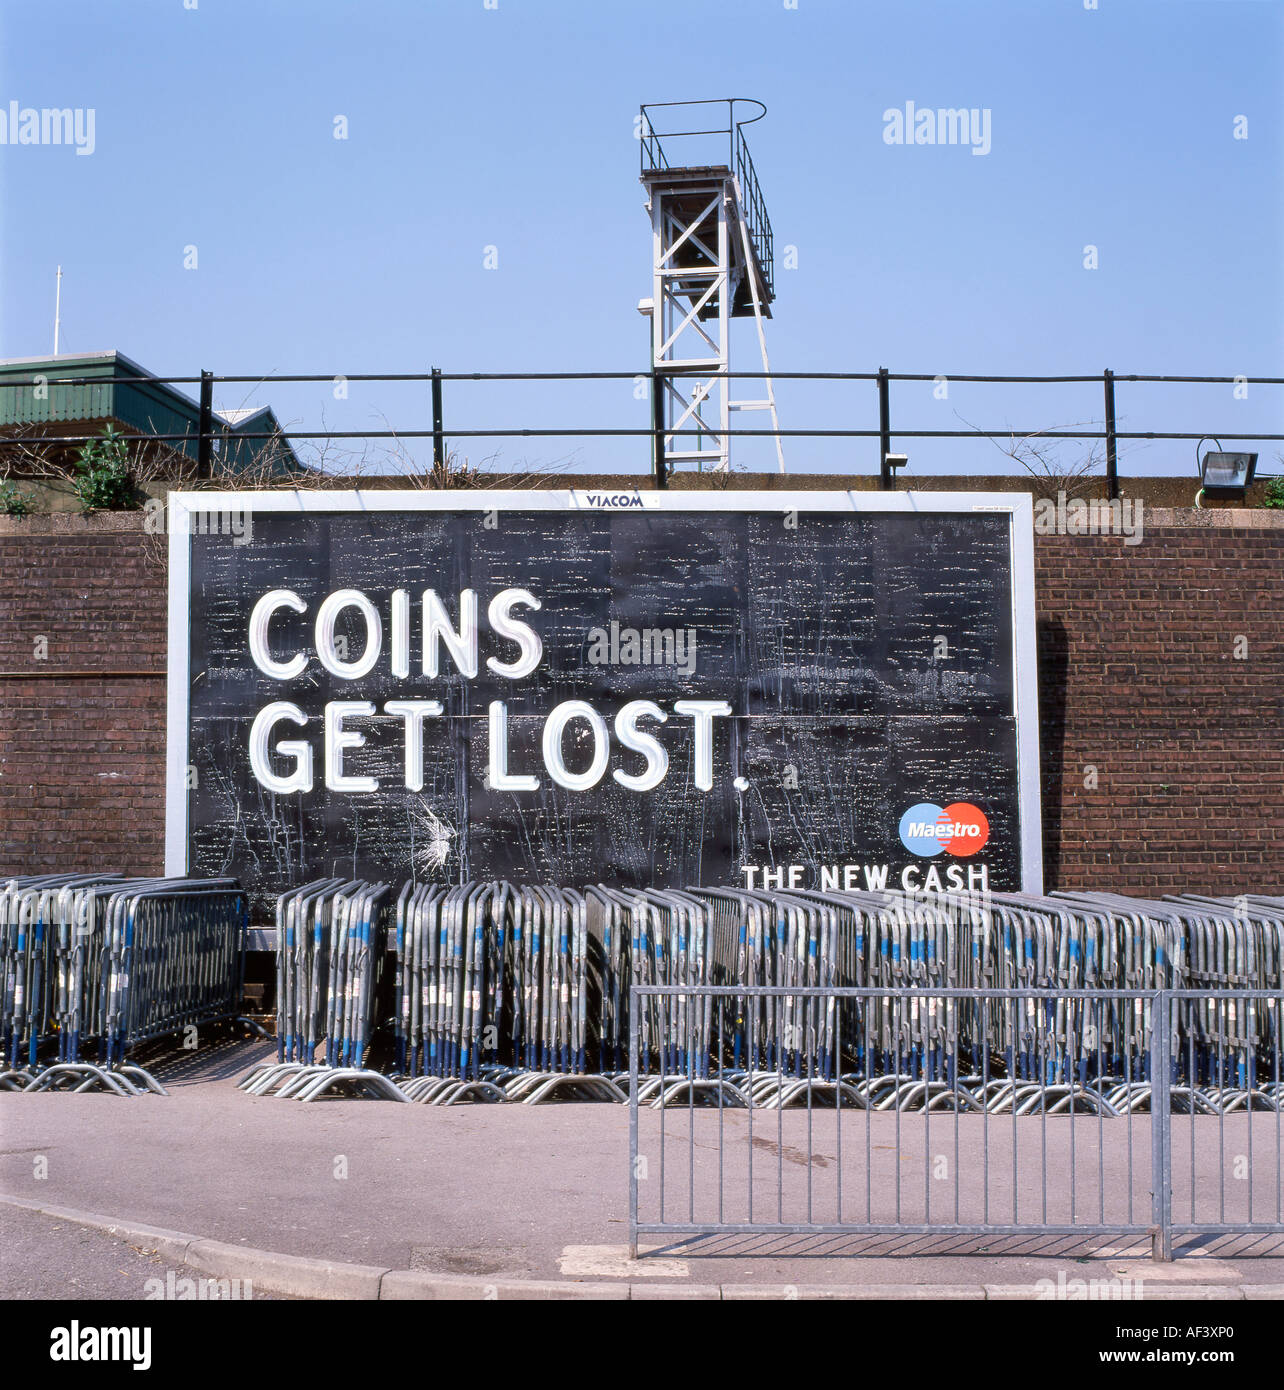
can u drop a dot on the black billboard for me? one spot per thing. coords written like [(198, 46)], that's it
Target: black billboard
[(826, 689)]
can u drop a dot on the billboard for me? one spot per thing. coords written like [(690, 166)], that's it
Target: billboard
[(725, 688)]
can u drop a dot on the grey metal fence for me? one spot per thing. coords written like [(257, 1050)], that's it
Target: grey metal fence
[(829, 1111)]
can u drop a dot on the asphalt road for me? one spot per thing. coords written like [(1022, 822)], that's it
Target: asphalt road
[(45, 1258), (42, 1257)]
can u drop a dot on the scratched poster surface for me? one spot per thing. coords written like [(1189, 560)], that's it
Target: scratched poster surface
[(864, 660)]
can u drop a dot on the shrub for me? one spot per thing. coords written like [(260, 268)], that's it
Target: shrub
[(15, 503), (103, 481)]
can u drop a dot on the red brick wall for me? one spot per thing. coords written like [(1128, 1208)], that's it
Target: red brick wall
[(1138, 678), (82, 755)]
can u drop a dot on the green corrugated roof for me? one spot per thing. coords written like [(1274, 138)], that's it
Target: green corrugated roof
[(140, 406)]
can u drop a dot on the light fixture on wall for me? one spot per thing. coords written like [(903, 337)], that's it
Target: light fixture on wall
[(1223, 474)]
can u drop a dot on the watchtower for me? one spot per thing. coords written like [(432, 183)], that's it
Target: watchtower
[(712, 258)]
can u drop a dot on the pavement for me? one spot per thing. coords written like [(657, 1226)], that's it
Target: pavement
[(371, 1199)]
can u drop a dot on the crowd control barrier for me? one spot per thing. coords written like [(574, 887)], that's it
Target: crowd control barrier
[(490, 991), (100, 963)]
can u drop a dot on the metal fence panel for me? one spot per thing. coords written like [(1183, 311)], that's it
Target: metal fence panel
[(938, 1110)]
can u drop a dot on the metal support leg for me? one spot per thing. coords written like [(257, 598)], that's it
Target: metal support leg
[(1161, 1128)]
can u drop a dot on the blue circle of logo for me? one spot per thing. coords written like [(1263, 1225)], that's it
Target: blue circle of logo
[(921, 830)]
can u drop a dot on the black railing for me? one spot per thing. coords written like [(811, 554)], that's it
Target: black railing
[(655, 159), (210, 429)]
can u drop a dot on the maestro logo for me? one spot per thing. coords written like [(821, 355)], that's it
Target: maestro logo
[(959, 829)]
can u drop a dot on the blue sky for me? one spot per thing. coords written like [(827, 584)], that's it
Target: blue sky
[(513, 128)]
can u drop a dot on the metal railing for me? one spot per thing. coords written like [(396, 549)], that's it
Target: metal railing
[(1153, 1132), (209, 432), (654, 159)]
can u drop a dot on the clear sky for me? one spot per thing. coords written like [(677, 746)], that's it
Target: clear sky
[(512, 128)]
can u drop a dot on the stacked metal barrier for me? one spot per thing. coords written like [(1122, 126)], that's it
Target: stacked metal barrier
[(96, 959), (1061, 1051), (501, 992), (1232, 944), (458, 951), (29, 909), (332, 938), (1077, 1050), (661, 937)]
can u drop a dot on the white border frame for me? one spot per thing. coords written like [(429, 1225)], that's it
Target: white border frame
[(1018, 507)]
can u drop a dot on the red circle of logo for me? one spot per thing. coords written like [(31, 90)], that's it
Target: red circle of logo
[(970, 827)]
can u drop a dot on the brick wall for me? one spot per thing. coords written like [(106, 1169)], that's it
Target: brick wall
[(1143, 677), (1139, 680), (82, 753)]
